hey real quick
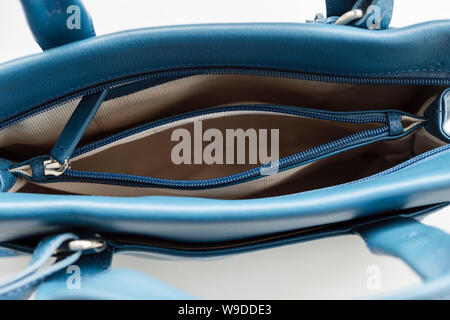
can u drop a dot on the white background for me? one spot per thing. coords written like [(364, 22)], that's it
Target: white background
[(327, 268)]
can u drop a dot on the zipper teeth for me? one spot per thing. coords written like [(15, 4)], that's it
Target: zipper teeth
[(283, 164), (315, 114), (180, 73)]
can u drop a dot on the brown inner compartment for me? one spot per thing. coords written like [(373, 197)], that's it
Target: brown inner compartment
[(199, 92), (25, 140), (151, 156), (337, 169)]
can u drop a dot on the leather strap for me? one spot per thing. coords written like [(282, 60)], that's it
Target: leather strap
[(23, 284), (7, 179), (121, 284), (57, 22), (91, 278), (377, 14), (77, 125), (77, 276), (425, 249)]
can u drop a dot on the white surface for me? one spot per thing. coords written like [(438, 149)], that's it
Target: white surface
[(117, 15), (326, 268)]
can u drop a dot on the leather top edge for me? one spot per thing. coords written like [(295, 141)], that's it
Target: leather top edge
[(315, 48)]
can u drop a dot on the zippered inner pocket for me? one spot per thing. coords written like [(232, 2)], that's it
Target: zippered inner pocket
[(232, 151), (349, 131)]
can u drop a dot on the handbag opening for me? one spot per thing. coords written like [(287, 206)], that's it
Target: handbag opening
[(329, 133)]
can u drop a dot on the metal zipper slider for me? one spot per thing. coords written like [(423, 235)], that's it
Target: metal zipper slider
[(54, 168)]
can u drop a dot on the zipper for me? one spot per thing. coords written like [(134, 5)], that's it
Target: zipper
[(169, 75), (283, 164), (57, 169), (349, 117), (52, 170)]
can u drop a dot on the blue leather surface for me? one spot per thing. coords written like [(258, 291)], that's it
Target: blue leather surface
[(425, 249), (7, 179), (189, 219), (49, 21), (88, 267), (438, 113), (157, 249), (120, 284), (378, 13), (304, 48), (325, 49), (97, 281), (76, 126), (24, 282)]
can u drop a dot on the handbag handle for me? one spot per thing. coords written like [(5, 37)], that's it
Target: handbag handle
[(58, 22), (425, 249), (370, 14)]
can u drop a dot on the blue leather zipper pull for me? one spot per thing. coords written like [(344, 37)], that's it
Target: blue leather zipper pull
[(395, 123), (76, 126)]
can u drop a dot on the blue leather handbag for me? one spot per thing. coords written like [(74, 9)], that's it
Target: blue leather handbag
[(142, 141)]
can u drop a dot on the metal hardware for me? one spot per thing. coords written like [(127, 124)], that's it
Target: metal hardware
[(83, 245), (95, 244), (350, 16), (51, 168), (54, 168)]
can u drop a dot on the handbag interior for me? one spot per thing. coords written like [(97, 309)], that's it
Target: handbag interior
[(149, 155)]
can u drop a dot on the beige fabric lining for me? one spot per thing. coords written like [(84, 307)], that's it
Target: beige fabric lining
[(340, 168), (136, 154), (230, 192), (36, 135)]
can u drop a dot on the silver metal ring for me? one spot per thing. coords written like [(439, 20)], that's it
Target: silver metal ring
[(95, 244), (350, 16)]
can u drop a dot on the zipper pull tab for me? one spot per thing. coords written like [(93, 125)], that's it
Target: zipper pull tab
[(54, 168), (395, 123), (76, 126), (38, 169)]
